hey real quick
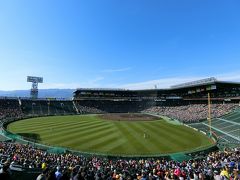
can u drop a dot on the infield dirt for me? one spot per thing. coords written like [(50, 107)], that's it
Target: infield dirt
[(128, 117)]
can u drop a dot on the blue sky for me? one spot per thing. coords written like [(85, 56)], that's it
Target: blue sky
[(132, 44)]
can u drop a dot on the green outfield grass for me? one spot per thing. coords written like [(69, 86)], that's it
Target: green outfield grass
[(89, 133)]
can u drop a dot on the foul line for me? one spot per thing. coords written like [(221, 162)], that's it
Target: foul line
[(238, 139), (228, 121)]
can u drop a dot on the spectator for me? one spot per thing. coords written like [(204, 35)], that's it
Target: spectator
[(58, 173), (4, 172), (43, 175), (213, 165), (191, 113)]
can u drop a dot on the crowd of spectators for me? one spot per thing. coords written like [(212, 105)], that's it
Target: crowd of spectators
[(216, 165), (88, 110), (192, 112), (9, 109), (112, 106), (185, 113)]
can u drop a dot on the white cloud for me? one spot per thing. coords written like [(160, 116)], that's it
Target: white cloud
[(88, 84), (116, 70), (160, 83), (167, 82), (59, 86), (235, 76), (97, 79)]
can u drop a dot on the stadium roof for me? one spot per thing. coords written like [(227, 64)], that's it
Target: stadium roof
[(202, 82), (210, 80), (101, 89)]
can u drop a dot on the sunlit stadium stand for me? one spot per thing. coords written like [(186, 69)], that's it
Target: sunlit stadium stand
[(192, 112)]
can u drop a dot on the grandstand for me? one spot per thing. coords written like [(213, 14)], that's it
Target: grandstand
[(114, 100), (10, 108), (17, 107), (47, 107)]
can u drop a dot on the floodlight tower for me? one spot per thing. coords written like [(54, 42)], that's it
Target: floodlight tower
[(34, 90)]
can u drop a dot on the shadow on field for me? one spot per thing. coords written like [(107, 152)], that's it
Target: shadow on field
[(30, 136)]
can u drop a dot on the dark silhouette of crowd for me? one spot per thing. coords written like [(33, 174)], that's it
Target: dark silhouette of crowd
[(215, 165), (192, 112)]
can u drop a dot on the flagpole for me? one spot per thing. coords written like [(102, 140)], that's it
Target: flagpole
[(209, 115)]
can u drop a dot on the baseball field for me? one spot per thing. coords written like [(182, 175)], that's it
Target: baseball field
[(112, 134)]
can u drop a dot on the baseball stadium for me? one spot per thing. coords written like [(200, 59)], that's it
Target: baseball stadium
[(123, 133)]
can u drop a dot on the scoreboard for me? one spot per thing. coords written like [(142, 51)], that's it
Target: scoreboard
[(34, 79)]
